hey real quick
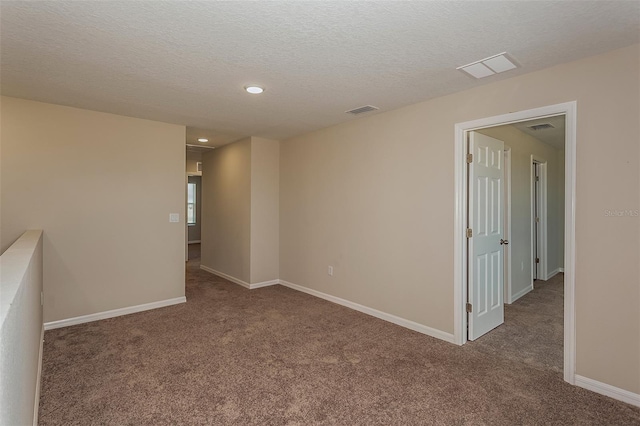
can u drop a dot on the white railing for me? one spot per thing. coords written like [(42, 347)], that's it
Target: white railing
[(21, 330)]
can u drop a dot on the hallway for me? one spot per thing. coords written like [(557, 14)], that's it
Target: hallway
[(532, 332), (194, 254)]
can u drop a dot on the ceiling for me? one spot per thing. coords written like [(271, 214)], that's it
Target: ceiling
[(187, 62), (553, 136)]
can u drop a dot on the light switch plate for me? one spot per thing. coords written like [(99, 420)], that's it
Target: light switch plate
[(174, 217)]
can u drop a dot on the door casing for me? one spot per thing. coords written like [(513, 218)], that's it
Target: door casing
[(539, 235), (507, 225), (569, 110)]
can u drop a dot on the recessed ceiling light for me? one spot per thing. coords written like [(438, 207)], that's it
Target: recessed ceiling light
[(203, 140), (488, 66), (254, 89)]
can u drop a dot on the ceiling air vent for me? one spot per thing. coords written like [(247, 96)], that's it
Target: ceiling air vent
[(541, 126), (362, 109), (489, 66)]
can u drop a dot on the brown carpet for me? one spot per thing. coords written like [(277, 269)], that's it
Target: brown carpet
[(533, 329), (274, 356)]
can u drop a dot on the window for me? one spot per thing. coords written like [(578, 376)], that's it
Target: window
[(191, 203)]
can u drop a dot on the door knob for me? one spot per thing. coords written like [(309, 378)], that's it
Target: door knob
[(505, 242)]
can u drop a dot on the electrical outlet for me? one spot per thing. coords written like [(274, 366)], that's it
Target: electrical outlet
[(174, 217), (330, 271)]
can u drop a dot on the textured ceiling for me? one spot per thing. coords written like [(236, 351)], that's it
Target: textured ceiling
[(187, 62)]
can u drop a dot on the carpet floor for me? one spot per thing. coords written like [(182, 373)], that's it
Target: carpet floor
[(274, 356)]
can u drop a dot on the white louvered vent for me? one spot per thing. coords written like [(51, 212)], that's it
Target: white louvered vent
[(541, 126), (362, 109)]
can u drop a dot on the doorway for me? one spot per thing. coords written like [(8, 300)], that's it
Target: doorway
[(538, 218), (461, 256), (193, 201), (194, 215)]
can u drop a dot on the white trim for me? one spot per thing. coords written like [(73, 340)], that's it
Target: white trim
[(113, 313), (508, 278), (264, 284), (36, 402), (570, 242), (194, 241), (521, 293), (541, 238), (225, 276), (238, 280), (438, 334), (554, 273), (459, 245), (567, 109), (608, 390)]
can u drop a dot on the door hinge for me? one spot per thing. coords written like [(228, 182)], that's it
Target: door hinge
[(537, 260), (469, 158), (537, 179), (469, 233), (469, 308), (537, 219)]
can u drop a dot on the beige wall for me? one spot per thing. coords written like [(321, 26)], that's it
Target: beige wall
[(86, 179), (522, 147), (374, 197), (226, 210), (192, 159), (265, 229), (240, 227)]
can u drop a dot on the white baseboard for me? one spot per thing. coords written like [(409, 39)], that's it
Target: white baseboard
[(194, 242), (36, 402), (113, 313), (608, 390), (239, 281), (225, 276), (554, 273), (264, 284), (521, 293), (438, 334)]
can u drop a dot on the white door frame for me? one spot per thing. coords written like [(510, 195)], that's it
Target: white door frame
[(507, 224), (541, 238), (460, 253), (186, 225)]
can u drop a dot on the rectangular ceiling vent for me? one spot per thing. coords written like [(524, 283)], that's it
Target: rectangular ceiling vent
[(541, 126), (489, 66), (362, 109)]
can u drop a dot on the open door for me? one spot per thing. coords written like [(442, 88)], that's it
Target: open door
[(485, 234)]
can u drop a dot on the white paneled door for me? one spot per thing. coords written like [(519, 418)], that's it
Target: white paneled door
[(485, 238)]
